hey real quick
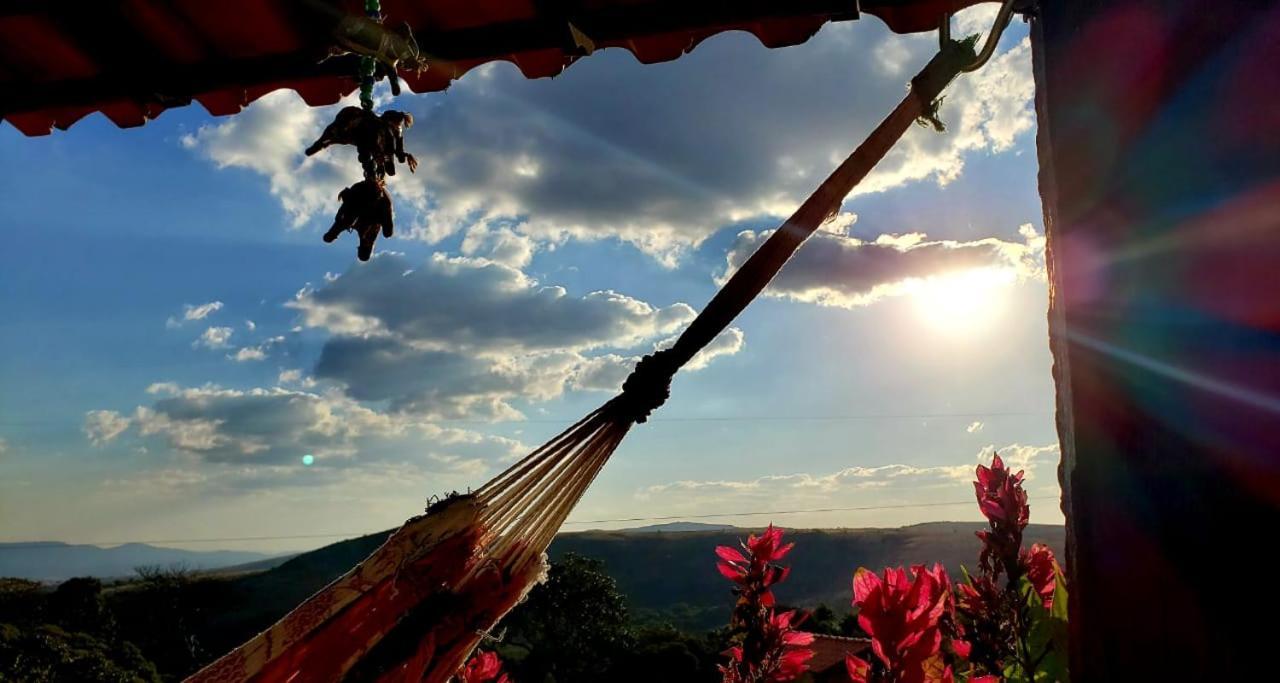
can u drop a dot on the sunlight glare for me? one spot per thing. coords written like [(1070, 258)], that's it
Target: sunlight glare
[(962, 302)]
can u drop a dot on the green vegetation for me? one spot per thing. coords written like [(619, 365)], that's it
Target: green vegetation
[(612, 601)]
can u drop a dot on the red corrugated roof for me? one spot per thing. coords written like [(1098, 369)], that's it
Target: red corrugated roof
[(829, 651), (132, 59)]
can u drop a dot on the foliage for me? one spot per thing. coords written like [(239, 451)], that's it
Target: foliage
[(573, 627), (161, 612), (48, 653)]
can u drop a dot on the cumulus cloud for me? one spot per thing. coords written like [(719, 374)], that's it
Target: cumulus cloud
[(477, 304), (194, 312), (268, 138), (417, 474), (974, 427), (660, 156), (457, 337), (851, 478), (837, 269), (255, 353), (875, 484), (607, 372), (214, 338), (274, 426), (103, 426), (500, 244)]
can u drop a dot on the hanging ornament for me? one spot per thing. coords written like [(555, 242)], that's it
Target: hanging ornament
[(379, 142)]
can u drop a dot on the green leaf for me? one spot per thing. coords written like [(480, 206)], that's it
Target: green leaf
[(1047, 631)]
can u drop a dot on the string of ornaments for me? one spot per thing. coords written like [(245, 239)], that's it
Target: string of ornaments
[(378, 138)]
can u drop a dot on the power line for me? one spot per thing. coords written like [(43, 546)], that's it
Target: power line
[(753, 513)]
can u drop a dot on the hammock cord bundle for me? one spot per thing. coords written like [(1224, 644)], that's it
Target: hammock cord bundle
[(417, 607)]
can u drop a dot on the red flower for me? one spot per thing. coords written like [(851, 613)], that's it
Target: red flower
[(483, 668), (1042, 571), (771, 649), (755, 571), (784, 653), (1003, 502), (859, 669), (1000, 494), (902, 616)]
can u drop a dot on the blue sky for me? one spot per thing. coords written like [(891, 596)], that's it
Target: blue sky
[(176, 336)]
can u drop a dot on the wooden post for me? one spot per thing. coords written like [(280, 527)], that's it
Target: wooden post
[(1159, 146)]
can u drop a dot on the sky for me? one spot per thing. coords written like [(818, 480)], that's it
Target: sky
[(182, 359)]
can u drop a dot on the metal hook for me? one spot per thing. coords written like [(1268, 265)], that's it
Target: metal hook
[(993, 37)]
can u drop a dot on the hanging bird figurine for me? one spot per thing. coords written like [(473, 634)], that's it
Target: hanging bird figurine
[(366, 209), (378, 139), (379, 142)]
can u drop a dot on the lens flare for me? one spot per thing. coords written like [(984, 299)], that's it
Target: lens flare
[(962, 302)]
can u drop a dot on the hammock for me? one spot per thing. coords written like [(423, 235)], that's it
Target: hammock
[(416, 608)]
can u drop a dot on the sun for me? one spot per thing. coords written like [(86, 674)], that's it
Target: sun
[(962, 302)]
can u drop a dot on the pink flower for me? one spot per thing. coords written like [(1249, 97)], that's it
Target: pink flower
[(902, 616), (483, 668), (859, 669), (1003, 502), (755, 571), (1042, 571), (783, 654), (771, 649), (1000, 494)]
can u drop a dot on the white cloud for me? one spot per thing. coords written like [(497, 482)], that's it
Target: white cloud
[(892, 484), (727, 343), (607, 372), (833, 269), (214, 338), (103, 426), (295, 377), (456, 337), (274, 426), (194, 312), (500, 244), (660, 156), (255, 353), (248, 353), (268, 137), (974, 427), (851, 478)]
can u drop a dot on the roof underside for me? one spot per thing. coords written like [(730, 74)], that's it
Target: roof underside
[(132, 59)]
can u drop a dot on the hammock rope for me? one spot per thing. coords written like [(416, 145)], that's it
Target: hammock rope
[(417, 607)]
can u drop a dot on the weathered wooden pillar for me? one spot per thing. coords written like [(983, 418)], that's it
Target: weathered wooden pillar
[(1159, 146)]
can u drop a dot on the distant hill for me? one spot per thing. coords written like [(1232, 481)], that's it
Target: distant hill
[(669, 576), (51, 561), (666, 572), (676, 527)]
